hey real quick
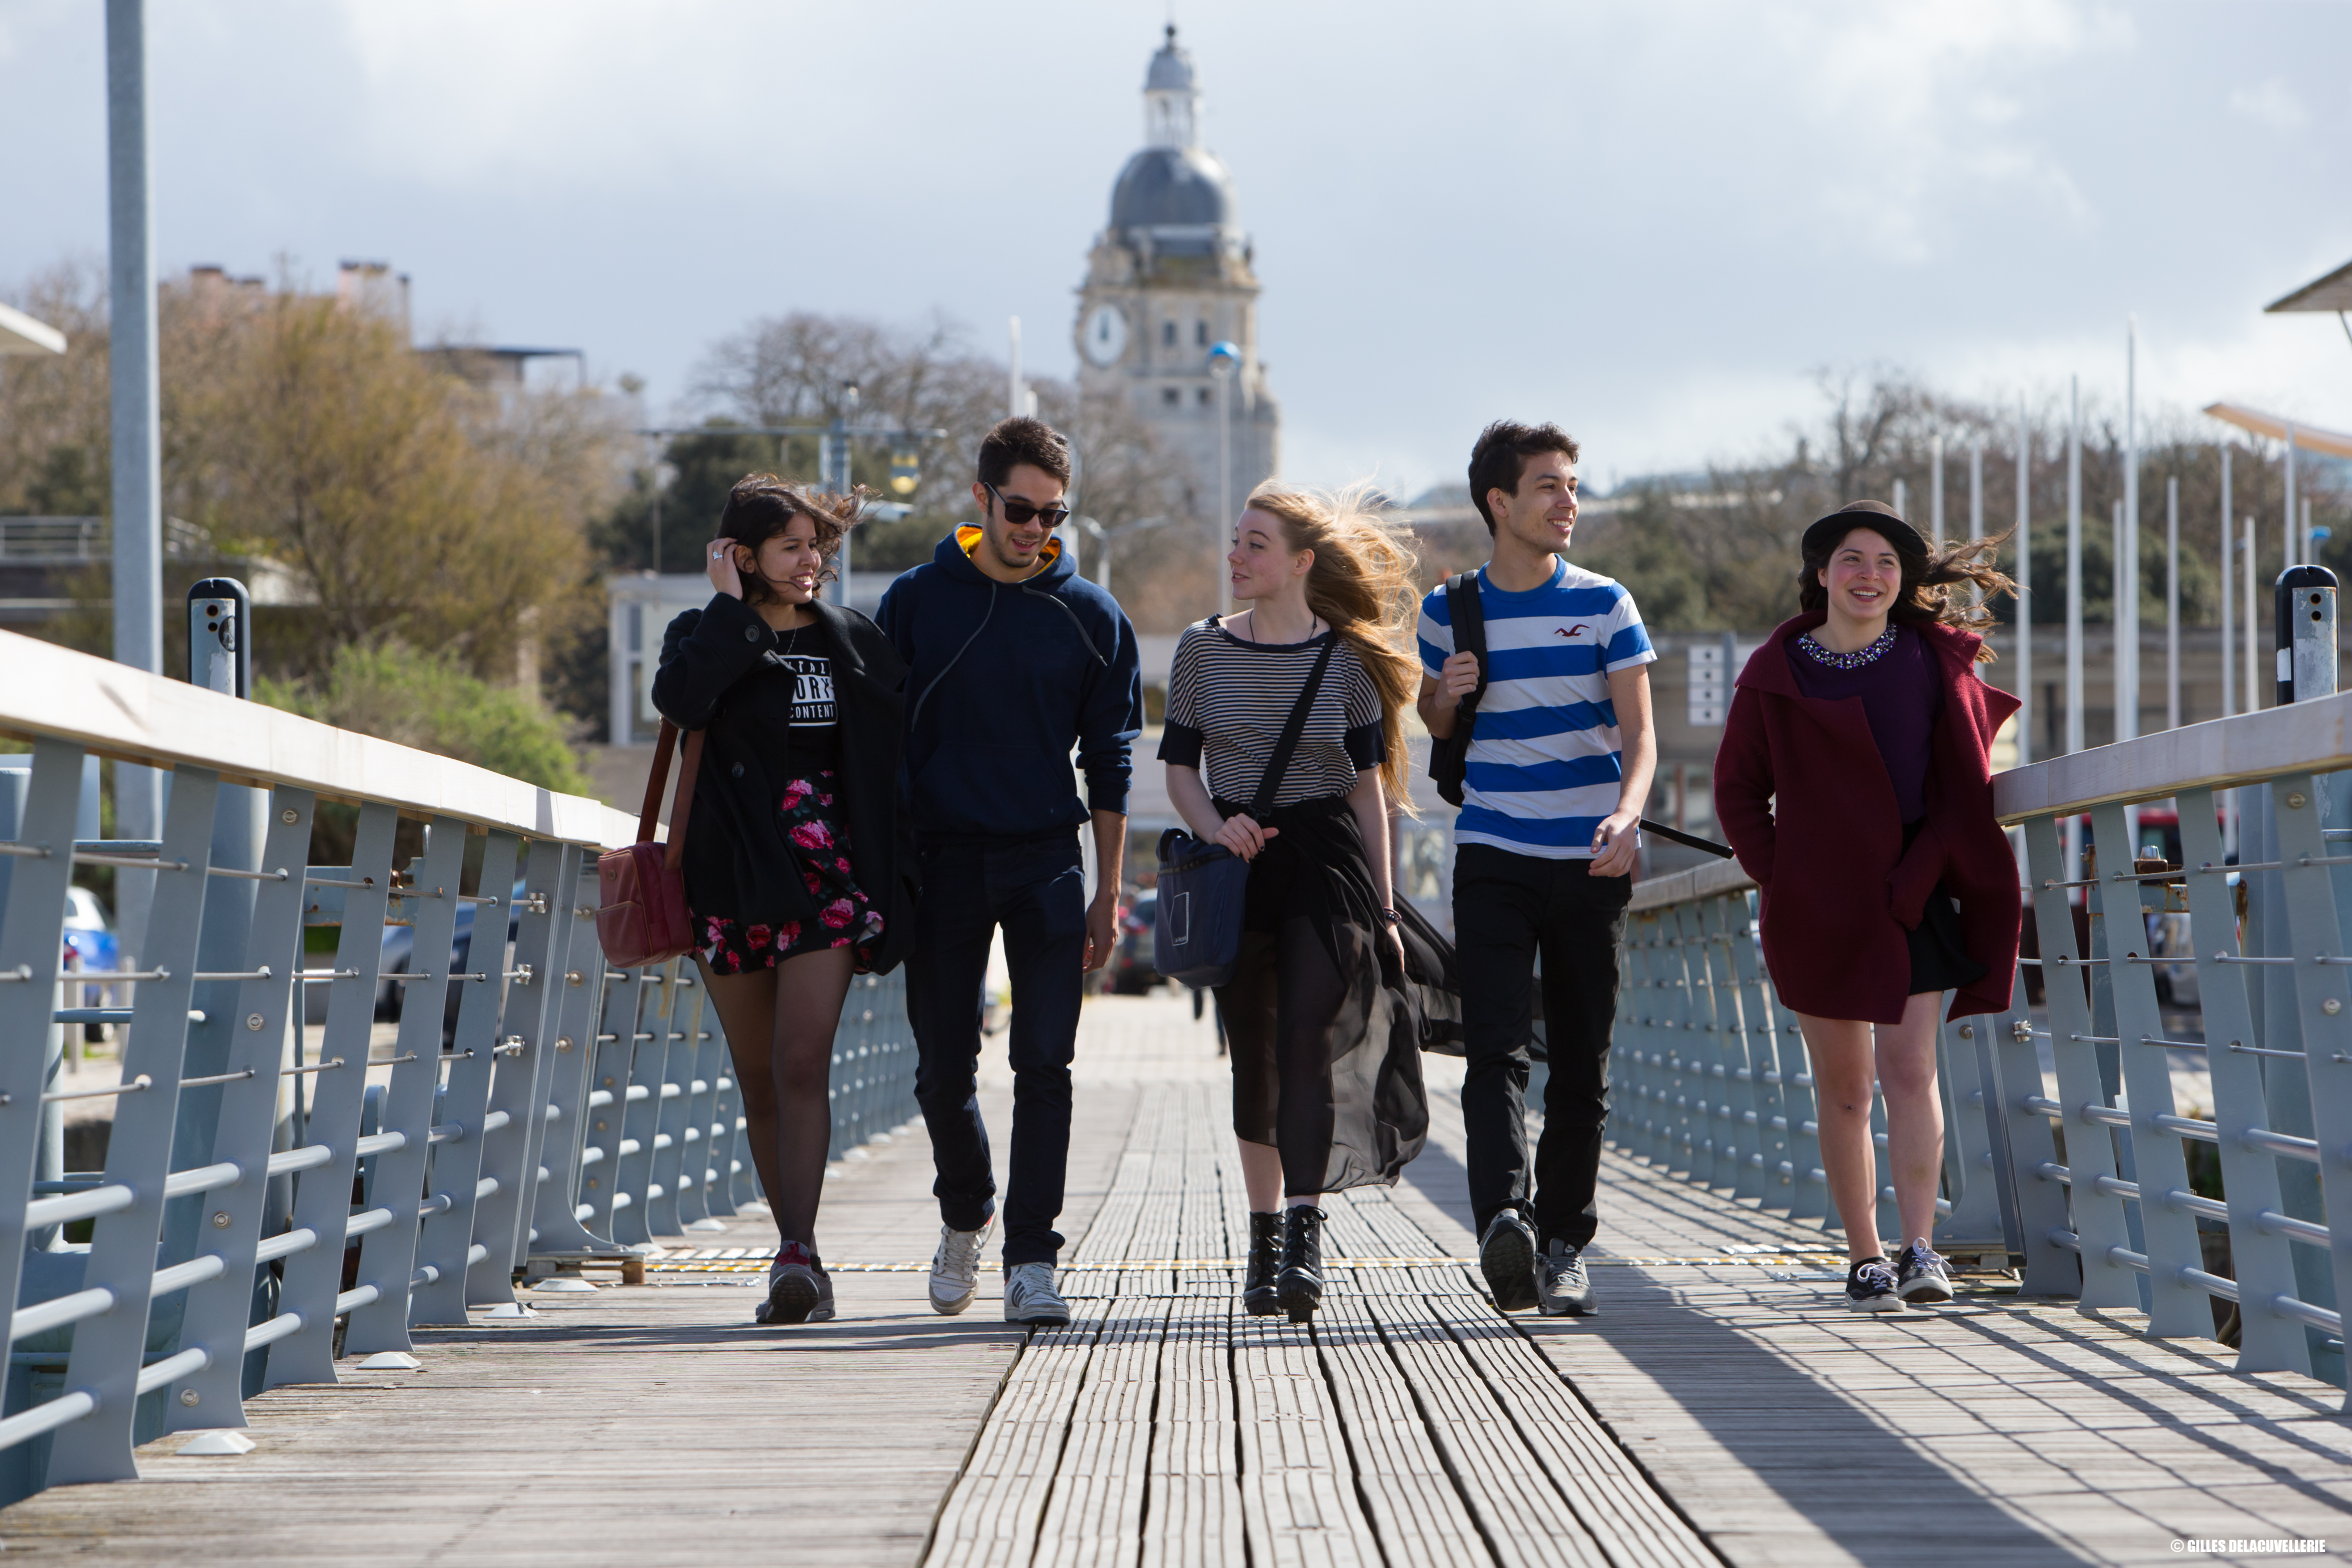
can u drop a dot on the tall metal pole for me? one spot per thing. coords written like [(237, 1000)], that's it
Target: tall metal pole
[(2126, 576), (2294, 542), (2229, 579), (2074, 565), (2025, 590), (1902, 501), (1936, 486), (138, 502), (2254, 663), (2172, 603), (1976, 490), (1013, 402)]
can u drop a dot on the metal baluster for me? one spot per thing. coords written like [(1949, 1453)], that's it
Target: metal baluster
[(2316, 930), (531, 1069), (2090, 1152), (726, 1149), (1972, 1103), (2261, 1259), (109, 1349), (642, 1112), (663, 1215), (1741, 1158), (2177, 1310), (388, 1255), (1759, 1047), (699, 1178), (445, 1243), (219, 1311), (608, 1087), (510, 1150), (1646, 951), (322, 1195), (556, 1214)]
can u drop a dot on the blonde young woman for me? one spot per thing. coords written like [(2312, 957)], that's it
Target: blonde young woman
[(1326, 1072)]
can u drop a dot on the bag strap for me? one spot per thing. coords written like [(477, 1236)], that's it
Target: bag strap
[(1270, 783), (656, 782), (688, 766), (1469, 617)]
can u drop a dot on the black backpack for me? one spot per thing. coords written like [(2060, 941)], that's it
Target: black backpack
[(1449, 758)]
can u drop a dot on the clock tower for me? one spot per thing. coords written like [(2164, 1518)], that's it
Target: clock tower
[(1170, 278)]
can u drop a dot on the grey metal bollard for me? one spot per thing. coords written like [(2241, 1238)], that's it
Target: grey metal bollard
[(2305, 603)]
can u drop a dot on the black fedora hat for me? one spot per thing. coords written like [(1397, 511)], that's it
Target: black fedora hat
[(1823, 536)]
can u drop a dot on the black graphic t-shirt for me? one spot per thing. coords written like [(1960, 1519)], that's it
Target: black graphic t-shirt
[(802, 674)]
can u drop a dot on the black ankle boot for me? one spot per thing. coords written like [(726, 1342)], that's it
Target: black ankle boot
[(1258, 1295), (1300, 1287)]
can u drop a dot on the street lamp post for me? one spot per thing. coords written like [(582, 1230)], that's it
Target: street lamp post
[(1224, 359)]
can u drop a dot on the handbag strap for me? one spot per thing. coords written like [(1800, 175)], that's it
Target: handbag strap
[(656, 782), (1270, 783), (689, 764)]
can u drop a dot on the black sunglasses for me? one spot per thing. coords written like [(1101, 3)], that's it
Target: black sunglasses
[(1019, 513)]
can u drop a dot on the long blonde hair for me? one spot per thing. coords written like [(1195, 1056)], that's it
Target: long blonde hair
[(1363, 582)]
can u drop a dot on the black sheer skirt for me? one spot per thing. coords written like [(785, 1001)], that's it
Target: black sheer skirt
[(1326, 1046)]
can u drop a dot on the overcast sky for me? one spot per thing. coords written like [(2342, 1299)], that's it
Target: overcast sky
[(1652, 222)]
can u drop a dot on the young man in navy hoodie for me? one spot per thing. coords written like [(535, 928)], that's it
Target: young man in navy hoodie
[(1012, 660)]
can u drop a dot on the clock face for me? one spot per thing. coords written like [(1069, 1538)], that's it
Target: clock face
[(1105, 335)]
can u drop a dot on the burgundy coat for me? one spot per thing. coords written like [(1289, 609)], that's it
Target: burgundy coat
[(1803, 795)]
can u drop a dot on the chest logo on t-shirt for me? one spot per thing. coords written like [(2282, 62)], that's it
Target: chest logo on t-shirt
[(1571, 632), (812, 678)]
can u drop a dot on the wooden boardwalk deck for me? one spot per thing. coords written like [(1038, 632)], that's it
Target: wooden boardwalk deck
[(1716, 1410)]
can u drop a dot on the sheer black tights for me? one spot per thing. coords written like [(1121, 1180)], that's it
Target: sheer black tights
[(780, 1027), (1278, 1009)]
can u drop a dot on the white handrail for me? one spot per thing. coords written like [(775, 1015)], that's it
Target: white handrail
[(2313, 737), (53, 692)]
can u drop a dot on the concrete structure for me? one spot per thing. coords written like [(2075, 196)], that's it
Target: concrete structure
[(1171, 276)]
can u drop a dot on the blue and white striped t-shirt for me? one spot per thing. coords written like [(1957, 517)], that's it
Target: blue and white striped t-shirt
[(1545, 758)]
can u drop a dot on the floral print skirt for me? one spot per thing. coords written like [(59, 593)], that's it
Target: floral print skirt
[(844, 916)]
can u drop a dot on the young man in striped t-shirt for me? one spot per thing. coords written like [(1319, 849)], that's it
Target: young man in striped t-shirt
[(1561, 754)]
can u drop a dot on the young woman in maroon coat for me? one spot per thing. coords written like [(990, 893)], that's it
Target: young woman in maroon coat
[(1855, 782)]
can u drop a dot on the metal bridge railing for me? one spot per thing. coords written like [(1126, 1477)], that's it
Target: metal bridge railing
[(266, 1209), (2089, 1189)]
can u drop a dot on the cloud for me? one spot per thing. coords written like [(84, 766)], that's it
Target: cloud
[(2273, 104)]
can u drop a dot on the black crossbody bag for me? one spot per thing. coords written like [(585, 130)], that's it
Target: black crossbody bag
[(1196, 937)]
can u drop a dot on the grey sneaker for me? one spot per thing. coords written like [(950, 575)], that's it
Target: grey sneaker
[(1921, 1274), (1030, 1296), (955, 1268), (1507, 1256), (799, 1290), (1563, 1290), (1870, 1288)]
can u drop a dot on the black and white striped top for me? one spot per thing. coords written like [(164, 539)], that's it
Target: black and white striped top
[(1228, 700)]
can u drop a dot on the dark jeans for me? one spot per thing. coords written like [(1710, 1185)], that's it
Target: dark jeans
[(1507, 908), (1036, 891)]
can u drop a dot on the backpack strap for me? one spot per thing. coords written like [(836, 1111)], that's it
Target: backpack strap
[(1270, 784), (1469, 622)]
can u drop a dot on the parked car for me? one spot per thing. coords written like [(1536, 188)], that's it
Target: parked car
[(1130, 972), (400, 955), (90, 945)]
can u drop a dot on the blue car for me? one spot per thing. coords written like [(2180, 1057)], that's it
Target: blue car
[(400, 957), (90, 940)]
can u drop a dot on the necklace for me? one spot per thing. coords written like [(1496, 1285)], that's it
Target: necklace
[(1853, 661), (1312, 622)]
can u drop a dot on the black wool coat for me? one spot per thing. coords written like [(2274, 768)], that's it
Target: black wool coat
[(714, 676)]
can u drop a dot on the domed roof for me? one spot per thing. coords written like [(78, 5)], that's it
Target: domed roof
[(1171, 186), (1171, 67)]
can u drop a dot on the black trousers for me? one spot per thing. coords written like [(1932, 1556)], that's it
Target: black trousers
[(1036, 892), (1508, 909)]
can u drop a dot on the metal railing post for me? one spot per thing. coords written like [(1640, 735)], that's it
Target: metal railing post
[(388, 1256), (1771, 1067), (622, 999), (2168, 1233), (109, 1350), (1635, 1119), (696, 1175), (641, 1114), (219, 1311), (532, 1065), (2321, 996), (509, 1148), (322, 1195), (2261, 1258), (1743, 1080), (2051, 1270), (672, 1115), (2098, 1214), (1972, 1167), (444, 1242), (556, 1214)]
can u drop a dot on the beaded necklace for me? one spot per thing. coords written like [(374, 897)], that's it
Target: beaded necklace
[(1853, 661)]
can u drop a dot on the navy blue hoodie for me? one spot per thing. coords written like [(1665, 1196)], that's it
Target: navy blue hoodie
[(1003, 678)]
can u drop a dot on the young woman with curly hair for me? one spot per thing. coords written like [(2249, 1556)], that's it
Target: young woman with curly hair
[(795, 865), (1326, 1070)]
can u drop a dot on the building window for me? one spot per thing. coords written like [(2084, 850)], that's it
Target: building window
[(1207, 397), (1201, 333), (1171, 396), (1167, 334)]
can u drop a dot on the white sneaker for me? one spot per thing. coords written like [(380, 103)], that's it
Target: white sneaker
[(955, 1268), (1030, 1296)]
